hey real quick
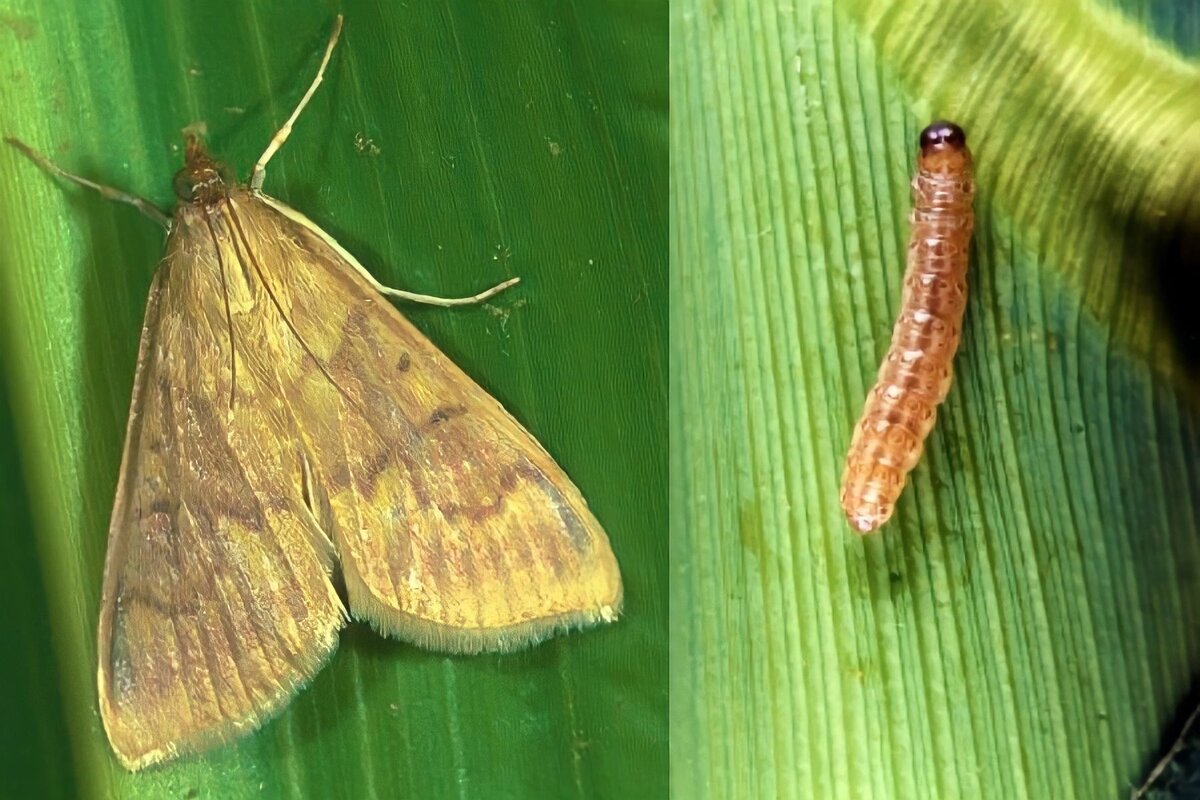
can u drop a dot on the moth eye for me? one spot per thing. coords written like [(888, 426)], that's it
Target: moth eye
[(228, 176), (184, 189)]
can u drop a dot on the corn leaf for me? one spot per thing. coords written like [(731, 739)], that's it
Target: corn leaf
[(1026, 625)]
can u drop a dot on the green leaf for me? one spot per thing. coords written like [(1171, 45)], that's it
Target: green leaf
[(451, 146), (1025, 625)]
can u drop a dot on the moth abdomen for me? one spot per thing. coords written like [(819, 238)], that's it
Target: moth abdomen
[(916, 373)]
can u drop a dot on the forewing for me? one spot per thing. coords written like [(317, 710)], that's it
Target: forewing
[(455, 529), (217, 601)]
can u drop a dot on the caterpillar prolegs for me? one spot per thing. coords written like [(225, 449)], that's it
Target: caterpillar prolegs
[(916, 372)]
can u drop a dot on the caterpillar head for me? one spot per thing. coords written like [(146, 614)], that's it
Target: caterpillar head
[(944, 147)]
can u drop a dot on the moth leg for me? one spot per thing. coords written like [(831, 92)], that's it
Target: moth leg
[(260, 169), (140, 203), (443, 302)]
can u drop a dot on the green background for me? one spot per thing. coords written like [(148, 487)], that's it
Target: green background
[(1027, 625), (516, 138)]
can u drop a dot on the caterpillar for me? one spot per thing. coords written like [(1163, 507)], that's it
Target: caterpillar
[(917, 371)]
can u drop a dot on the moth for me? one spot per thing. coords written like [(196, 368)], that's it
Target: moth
[(294, 441), (916, 372)]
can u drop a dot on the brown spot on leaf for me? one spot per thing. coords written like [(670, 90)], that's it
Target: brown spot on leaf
[(23, 27)]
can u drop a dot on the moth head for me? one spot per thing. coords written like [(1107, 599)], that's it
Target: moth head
[(203, 179), (944, 145)]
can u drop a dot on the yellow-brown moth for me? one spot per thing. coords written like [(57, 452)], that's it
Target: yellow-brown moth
[(291, 432), (916, 372)]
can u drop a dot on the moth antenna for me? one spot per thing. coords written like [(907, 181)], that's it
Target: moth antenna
[(260, 169), (445, 302), (140, 203), (426, 299)]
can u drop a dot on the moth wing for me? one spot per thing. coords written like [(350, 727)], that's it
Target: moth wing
[(217, 602), (455, 529)]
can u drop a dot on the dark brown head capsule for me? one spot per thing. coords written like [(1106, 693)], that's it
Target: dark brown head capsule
[(942, 135)]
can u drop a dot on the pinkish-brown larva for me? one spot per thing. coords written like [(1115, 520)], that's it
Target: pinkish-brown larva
[(916, 373)]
